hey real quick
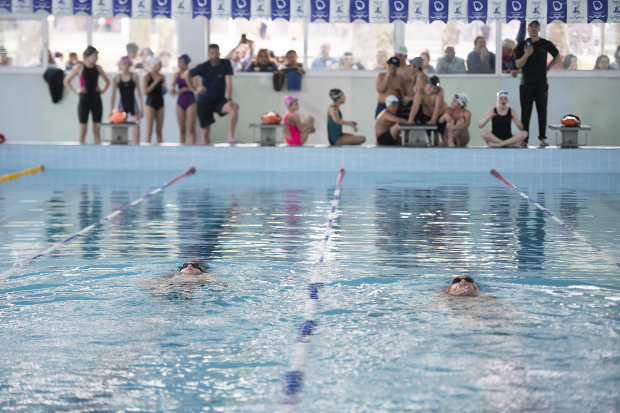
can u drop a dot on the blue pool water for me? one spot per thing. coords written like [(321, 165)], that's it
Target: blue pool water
[(89, 329)]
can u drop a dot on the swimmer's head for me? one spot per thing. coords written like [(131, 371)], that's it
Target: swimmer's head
[(392, 65), (432, 85), (91, 55), (502, 97), (291, 102), (463, 286), (124, 63), (460, 99), (194, 267), (337, 95), (392, 103)]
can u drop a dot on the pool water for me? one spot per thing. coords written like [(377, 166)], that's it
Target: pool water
[(86, 329)]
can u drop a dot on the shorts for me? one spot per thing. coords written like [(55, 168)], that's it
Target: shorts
[(420, 119), (206, 110), (380, 107), (90, 103), (386, 139), (404, 110)]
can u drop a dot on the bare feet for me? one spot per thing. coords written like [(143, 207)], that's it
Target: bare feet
[(233, 141)]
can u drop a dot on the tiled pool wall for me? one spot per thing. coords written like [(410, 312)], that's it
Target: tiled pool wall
[(308, 159)]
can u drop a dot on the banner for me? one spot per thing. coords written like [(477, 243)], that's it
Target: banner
[(240, 8), (102, 8), (319, 10), (83, 7), (438, 10), (181, 8), (359, 10), (6, 6), (260, 9), (557, 11), (16, 6), (597, 11), (577, 11), (42, 6), (418, 10), (201, 8), (141, 8), (300, 9), (515, 10), (220, 9), (457, 10), (161, 8), (62, 7), (536, 10), (614, 12), (398, 10), (122, 7), (339, 11), (496, 10), (379, 11), (281, 9)]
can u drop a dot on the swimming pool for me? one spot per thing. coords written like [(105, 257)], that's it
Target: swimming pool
[(84, 330)]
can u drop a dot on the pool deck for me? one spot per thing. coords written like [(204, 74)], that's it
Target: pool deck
[(321, 158)]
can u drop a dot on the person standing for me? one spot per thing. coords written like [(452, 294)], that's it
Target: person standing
[(186, 103), (128, 84), (531, 55), (216, 77), (389, 83), (154, 84)]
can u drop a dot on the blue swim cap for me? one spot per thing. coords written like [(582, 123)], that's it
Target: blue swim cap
[(502, 93)]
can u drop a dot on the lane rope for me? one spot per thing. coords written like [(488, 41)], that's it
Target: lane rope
[(293, 381), (54, 247), (555, 218), (16, 175)]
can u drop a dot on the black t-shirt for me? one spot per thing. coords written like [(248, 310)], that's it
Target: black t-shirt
[(213, 78), (535, 69)]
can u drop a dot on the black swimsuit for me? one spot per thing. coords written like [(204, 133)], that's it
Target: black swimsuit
[(90, 101), (128, 95), (501, 125), (155, 99)]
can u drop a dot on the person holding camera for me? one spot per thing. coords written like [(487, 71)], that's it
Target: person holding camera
[(531, 55)]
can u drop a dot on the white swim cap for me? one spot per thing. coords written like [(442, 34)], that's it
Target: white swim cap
[(390, 100), (152, 61), (502, 93)]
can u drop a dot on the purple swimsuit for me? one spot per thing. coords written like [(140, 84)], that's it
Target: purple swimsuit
[(186, 98)]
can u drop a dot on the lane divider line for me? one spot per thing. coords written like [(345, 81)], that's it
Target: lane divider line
[(54, 247), (293, 380), (15, 175), (555, 218)]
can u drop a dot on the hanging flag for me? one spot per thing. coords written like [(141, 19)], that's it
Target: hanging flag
[(261, 9), (42, 6), (102, 8), (62, 7), (418, 10), (181, 8), (577, 11), (496, 10), (359, 10), (379, 11), (515, 10), (339, 11), (122, 7), (536, 10), (614, 12), (141, 8), (399, 10), (19, 6), (457, 10), (597, 11), (240, 8), (83, 7), (438, 10), (161, 8), (220, 9), (319, 10), (477, 10), (300, 9), (281, 9), (6, 6), (201, 8), (557, 11)]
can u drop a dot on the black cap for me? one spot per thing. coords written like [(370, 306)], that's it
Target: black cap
[(434, 80), (89, 51), (394, 61), (534, 22)]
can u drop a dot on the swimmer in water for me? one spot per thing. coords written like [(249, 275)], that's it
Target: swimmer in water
[(190, 277), (463, 286)]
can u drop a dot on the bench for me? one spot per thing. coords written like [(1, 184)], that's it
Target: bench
[(570, 135), (119, 131), (269, 135), (417, 134)]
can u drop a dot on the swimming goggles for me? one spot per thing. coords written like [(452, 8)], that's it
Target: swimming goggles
[(193, 264), (467, 279)]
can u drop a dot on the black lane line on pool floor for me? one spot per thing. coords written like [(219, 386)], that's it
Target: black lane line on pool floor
[(291, 393)]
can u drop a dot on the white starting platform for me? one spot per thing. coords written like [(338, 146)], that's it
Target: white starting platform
[(269, 134), (570, 135), (120, 131), (417, 135)]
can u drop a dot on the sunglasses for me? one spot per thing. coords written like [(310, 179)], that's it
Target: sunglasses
[(467, 279), (193, 264)]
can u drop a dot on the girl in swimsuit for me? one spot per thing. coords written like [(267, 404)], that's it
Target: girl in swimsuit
[(335, 122), (501, 118), (154, 88), (296, 134), (127, 83), (186, 102)]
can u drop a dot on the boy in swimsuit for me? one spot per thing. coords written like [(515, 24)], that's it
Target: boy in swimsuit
[(154, 85), (335, 122), (428, 104), (186, 102), (89, 92), (389, 83), (463, 286), (127, 83), (454, 124), (297, 132), (501, 117), (386, 125)]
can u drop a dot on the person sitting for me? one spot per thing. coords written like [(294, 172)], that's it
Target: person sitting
[(454, 124), (347, 62), (428, 105), (602, 63), (387, 130), (616, 65), (297, 132), (262, 63), (480, 60), (73, 60), (463, 286), (501, 117), (426, 58), (509, 64), (238, 59), (570, 62), (449, 63), (293, 69), (335, 122), (380, 60), (389, 83), (324, 61)]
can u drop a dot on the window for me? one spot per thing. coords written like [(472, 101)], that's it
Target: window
[(22, 40), (349, 46), (586, 42), (67, 34)]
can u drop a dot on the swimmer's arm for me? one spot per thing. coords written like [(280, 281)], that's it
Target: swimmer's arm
[(173, 86), (516, 120), (336, 118), (105, 79), (189, 82), (145, 84), (464, 122), (486, 119), (114, 83), (394, 118), (77, 70), (438, 104), (381, 83), (415, 107), (136, 80)]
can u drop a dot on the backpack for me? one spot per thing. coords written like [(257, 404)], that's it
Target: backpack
[(571, 121), (279, 79)]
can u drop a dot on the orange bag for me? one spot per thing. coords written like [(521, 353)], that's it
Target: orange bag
[(271, 118), (117, 116), (571, 121)]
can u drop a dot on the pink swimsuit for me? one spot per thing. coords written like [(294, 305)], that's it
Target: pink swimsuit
[(293, 130)]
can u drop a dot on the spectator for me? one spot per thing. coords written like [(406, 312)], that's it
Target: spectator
[(132, 52), (509, 64), (144, 54), (60, 56), (154, 84), (428, 105), (335, 122), (602, 63), (294, 70), (5, 60), (387, 124), (449, 63), (216, 76), (249, 43), (453, 125), (73, 60), (324, 61), (380, 60), (616, 65), (128, 83), (54, 61), (347, 62), (186, 102), (296, 133), (480, 60), (501, 117), (239, 58), (164, 57), (262, 63), (531, 57), (389, 83), (426, 58), (570, 62)]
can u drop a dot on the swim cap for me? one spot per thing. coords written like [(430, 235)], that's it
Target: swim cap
[(401, 50), (124, 59), (502, 93), (152, 61), (89, 51), (434, 80), (462, 99), (390, 100), (288, 99), (336, 93), (394, 61), (417, 62), (185, 59)]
